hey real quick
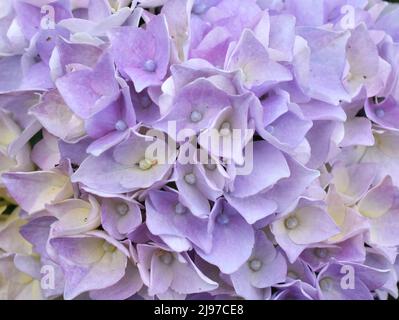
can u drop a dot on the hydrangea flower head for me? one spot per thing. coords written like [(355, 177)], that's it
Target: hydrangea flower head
[(199, 149)]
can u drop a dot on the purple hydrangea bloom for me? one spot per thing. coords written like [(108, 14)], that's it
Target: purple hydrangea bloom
[(199, 149)]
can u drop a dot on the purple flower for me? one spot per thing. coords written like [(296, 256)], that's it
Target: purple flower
[(89, 90), (229, 230), (264, 268), (141, 54), (163, 270), (199, 149), (39, 188), (297, 229), (120, 216), (91, 261), (125, 167), (169, 219)]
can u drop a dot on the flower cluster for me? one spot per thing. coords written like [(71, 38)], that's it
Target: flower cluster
[(295, 197)]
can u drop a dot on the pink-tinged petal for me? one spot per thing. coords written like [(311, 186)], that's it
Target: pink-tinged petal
[(70, 54), (29, 15), (119, 115), (200, 98), (213, 45)]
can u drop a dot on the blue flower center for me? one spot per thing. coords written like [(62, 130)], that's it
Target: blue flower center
[(190, 178), (180, 209), (150, 65), (223, 219), (122, 209), (291, 223), (255, 265), (195, 116), (120, 125), (379, 112)]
